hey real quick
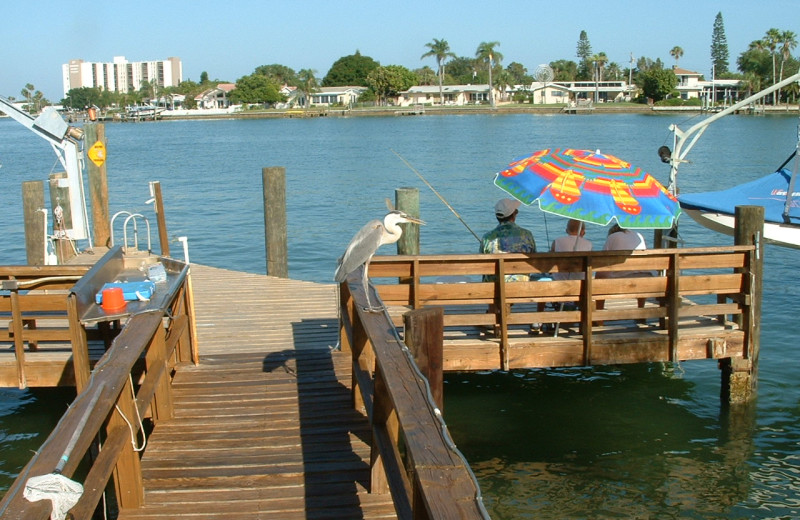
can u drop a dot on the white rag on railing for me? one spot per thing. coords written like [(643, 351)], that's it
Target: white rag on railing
[(63, 492)]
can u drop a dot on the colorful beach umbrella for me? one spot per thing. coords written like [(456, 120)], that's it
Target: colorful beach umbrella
[(590, 186)]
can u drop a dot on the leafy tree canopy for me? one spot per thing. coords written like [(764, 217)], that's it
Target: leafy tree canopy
[(719, 46), (564, 70), (519, 74), (658, 83), (461, 71), (280, 74), (389, 80), (83, 97), (256, 88), (350, 70)]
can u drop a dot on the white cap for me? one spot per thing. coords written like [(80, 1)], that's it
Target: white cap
[(505, 207)]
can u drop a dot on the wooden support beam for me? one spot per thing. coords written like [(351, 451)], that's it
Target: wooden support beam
[(424, 336)]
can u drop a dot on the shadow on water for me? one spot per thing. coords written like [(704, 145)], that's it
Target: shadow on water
[(333, 473), (607, 442)]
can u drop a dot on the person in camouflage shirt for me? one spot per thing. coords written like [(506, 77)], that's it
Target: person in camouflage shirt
[(508, 237)]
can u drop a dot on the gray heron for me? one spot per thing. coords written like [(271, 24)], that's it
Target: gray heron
[(361, 249)]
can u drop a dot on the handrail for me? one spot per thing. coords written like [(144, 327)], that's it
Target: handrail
[(431, 480), (117, 406), (678, 283)]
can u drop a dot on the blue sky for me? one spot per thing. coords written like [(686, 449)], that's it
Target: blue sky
[(230, 39)]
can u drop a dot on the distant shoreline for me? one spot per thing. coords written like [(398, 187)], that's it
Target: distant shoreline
[(411, 111)]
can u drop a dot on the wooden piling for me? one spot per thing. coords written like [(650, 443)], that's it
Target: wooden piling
[(163, 238), (95, 136), (424, 336), (739, 375), (275, 236), (407, 200), (32, 203)]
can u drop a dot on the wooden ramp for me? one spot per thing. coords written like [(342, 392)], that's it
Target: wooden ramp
[(264, 426)]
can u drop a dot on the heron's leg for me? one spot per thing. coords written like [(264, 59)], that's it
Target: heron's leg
[(365, 281)]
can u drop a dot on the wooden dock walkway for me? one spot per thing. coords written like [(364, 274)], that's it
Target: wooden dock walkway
[(264, 427)]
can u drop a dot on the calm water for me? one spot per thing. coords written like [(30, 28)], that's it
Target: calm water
[(645, 441)]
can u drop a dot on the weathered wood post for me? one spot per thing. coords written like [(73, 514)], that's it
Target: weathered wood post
[(33, 217), (95, 138), (739, 375), (163, 238), (424, 336), (407, 200), (275, 237)]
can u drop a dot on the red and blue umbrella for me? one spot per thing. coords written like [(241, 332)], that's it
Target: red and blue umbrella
[(590, 186)]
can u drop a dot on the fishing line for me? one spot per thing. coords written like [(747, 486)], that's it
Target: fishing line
[(428, 184)]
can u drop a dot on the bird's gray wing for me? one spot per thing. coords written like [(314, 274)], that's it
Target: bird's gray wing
[(360, 249)]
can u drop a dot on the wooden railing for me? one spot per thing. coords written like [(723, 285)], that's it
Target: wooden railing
[(412, 456), (34, 309), (130, 384), (678, 284)]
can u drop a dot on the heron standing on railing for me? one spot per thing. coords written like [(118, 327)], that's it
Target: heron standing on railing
[(366, 242)]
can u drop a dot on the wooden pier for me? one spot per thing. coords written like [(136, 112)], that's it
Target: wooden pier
[(274, 421)]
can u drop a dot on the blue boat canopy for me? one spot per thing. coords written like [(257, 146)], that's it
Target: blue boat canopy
[(769, 191)]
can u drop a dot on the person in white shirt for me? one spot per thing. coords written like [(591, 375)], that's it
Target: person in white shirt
[(572, 241)]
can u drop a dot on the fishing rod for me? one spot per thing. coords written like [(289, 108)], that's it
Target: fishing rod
[(428, 184)]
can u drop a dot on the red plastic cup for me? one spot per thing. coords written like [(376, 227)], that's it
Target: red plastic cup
[(113, 299)]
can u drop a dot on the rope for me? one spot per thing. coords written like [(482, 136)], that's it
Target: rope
[(138, 418)]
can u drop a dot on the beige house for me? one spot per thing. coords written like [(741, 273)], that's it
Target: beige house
[(456, 95), (339, 96), (215, 97), (689, 83)]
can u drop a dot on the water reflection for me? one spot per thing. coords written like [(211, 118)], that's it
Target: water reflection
[(608, 442)]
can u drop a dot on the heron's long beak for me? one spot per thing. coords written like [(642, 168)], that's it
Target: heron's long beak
[(416, 220)]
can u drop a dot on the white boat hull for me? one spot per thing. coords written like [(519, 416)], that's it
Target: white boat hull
[(786, 235)]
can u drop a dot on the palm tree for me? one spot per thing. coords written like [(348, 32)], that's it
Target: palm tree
[(503, 80), (308, 84), (788, 41), (441, 50), (676, 53), (771, 41), (486, 52), (27, 93), (600, 61)]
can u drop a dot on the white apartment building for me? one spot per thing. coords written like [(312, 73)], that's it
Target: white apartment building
[(121, 75)]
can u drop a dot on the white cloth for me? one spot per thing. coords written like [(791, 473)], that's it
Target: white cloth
[(570, 243), (624, 240), (61, 491)]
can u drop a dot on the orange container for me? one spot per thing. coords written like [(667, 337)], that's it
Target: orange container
[(113, 299)]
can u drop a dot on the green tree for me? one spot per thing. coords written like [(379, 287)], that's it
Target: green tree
[(502, 81), (719, 47), (564, 70), (203, 77), (584, 53), (350, 71), (486, 52), (756, 61), (658, 83), (676, 53), (308, 84), (439, 49), (388, 81), (600, 59), (462, 71), (83, 97), (256, 88), (426, 75), (279, 74), (788, 42), (519, 74), (27, 93), (614, 70)]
